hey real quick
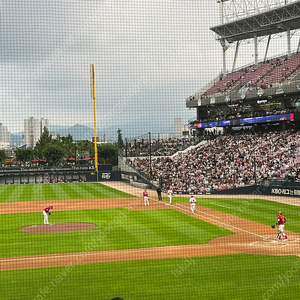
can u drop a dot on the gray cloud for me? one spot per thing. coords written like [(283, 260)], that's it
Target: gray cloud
[(149, 57)]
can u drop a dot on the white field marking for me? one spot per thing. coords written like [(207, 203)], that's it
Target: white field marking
[(33, 225), (284, 245), (103, 253), (202, 212), (254, 243), (294, 240), (264, 240), (227, 225), (221, 205)]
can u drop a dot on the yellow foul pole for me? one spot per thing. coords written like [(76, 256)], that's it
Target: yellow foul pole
[(95, 123)]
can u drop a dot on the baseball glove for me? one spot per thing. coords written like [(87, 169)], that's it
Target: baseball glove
[(273, 226), (49, 213)]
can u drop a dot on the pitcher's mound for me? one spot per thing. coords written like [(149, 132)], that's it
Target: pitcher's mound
[(57, 227)]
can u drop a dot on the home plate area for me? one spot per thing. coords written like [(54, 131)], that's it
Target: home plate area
[(271, 242)]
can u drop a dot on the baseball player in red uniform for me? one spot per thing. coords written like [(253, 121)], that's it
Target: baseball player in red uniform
[(281, 220), (146, 197), (193, 203), (45, 213)]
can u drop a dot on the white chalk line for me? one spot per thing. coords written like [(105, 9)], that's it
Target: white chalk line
[(295, 240), (134, 250), (197, 210), (280, 244), (227, 225), (263, 241), (252, 233), (254, 243)]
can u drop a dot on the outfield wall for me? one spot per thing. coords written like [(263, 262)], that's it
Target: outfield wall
[(275, 190), (59, 174)]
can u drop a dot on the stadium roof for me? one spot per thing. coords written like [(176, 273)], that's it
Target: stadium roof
[(271, 22)]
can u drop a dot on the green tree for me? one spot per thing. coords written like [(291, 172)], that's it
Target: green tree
[(45, 139), (2, 156), (83, 149), (53, 153), (24, 155), (68, 145), (108, 154), (120, 142), (85, 146)]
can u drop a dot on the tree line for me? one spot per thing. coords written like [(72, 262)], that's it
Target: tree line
[(54, 150)]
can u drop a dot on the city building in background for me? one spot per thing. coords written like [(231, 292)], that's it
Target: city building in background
[(4, 136), (178, 127), (33, 129)]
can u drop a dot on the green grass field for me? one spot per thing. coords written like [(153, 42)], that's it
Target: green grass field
[(36, 192), (234, 277), (115, 229), (261, 211), (219, 277)]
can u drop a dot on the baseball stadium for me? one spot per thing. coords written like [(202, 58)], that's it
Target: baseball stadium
[(211, 214)]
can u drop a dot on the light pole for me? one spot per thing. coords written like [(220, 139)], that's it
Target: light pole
[(126, 149), (254, 168), (150, 158)]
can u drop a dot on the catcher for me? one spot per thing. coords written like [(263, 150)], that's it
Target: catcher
[(281, 220), (46, 213)]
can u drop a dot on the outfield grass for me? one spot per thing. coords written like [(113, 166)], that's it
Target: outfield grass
[(118, 228), (62, 191), (234, 277), (261, 211)]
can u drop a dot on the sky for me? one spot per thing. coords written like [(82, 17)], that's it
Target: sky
[(149, 56)]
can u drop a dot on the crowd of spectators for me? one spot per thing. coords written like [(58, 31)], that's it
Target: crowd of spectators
[(255, 77), (159, 147), (229, 161)]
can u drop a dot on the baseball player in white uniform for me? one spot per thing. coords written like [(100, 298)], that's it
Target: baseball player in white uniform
[(193, 203), (170, 193)]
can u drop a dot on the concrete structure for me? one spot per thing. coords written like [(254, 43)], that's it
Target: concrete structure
[(33, 129), (4, 135), (178, 128), (267, 83)]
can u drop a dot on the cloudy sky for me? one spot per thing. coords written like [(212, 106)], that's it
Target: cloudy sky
[(149, 56)]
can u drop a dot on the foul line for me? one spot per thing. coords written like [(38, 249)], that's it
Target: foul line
[(197, 210), (222, 223)]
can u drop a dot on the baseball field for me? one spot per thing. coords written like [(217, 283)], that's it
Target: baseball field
[(103, 242)]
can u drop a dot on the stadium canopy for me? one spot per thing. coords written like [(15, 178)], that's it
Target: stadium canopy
[(243, 20), (271, 22)]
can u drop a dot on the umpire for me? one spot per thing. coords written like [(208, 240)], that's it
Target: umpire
[(159, 194)]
